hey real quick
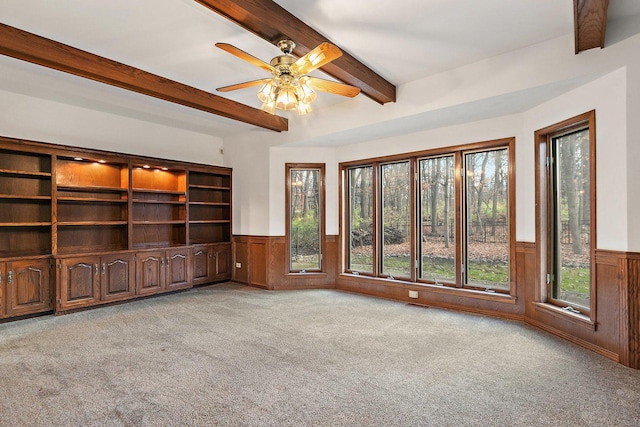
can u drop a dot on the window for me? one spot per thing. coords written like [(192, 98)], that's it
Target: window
[(487, 219), (360, 222), (305, 217), (396, 219), (437, 219), (442, 217), (565, 179)]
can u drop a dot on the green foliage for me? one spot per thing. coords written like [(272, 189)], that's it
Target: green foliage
[(305, 234)]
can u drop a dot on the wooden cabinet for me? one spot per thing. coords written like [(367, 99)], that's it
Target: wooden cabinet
[(78, 283), (90, 280), (117, 280), (160, 271), (112, 226), (28, 287), (211, 263)]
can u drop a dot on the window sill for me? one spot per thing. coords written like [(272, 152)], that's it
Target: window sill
[(310, 275), (575, 318), (436, 289)]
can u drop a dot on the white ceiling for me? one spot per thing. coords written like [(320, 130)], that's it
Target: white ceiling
[(402, 40)]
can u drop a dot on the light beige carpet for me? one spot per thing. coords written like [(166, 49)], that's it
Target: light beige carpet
[(233, 355)]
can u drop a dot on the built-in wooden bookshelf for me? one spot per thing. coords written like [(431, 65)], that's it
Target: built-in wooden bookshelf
[(159, 206), (91, 204), (25, 203), (114, 226), (209, 207)]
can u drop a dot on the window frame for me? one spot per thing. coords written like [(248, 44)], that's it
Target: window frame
[(414, 158), (321, 168), (544, 231)]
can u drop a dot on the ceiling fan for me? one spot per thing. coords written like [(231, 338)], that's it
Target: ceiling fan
[(290, 87)]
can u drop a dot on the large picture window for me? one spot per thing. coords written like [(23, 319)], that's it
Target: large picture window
[(565, 179), (305, 217), (442, 217)]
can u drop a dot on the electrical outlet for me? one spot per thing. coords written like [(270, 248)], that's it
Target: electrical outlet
[(413, 294), (238, 265)]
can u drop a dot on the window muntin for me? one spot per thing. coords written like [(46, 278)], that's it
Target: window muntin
[(305, 217), (569, 219), (437, 219), (487, 219), (396, 219), (361, 220)]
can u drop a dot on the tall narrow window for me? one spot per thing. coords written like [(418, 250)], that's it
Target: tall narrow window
[(360, 221), (437, 219), (305, 219), (487, 219), (565, 182), (570, 219), (396, 219)]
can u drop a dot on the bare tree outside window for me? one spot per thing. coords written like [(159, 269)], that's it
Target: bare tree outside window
[(487, 219), (396, 219), (360, 189), (437, 219)]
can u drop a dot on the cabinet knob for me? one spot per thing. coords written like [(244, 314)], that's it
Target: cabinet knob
[(10, 277), (104, 268), (96, 268)]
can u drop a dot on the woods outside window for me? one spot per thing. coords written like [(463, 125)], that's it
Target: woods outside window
[(443, 217), (305, 217)]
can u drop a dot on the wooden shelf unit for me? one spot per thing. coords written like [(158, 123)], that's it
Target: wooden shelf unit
[(25, 203), (159, 206), (82, 227), (84, 220), (209, 207)]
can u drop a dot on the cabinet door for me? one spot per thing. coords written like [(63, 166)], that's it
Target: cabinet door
[(222, 258), (202, 264), (28, 287), (150, 272), (118, 277), (178, 269), (2, 290), (79, 283)]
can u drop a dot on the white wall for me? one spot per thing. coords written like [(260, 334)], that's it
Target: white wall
[(27, 117)]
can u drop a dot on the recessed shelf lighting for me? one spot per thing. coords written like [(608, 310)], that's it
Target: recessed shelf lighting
[(146, 166), (78, 158), (102, 161), (165, 169)]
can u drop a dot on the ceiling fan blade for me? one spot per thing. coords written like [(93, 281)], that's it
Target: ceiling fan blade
[(244, 55), (332, 87), (243, 85), (316, 58)]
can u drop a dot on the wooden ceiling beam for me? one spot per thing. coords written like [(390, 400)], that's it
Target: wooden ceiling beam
[(590, 23), (32, 48), (273, 23)]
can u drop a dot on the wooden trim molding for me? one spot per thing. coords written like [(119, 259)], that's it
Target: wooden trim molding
[(38, 50), (590, 23), (272, 22)]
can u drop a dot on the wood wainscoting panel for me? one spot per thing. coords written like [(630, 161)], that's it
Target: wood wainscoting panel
[(264, 264), (629, 268)]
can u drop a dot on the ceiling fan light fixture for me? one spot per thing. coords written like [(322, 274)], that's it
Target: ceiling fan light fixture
[(303, 108), (286, 99), (267, 93), (305, 93)]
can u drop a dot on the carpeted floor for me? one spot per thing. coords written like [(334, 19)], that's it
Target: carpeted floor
[(233, 355)]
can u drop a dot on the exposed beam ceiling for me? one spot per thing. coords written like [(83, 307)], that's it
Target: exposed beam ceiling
[(272, 22), (42, 51), (590, 18)]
